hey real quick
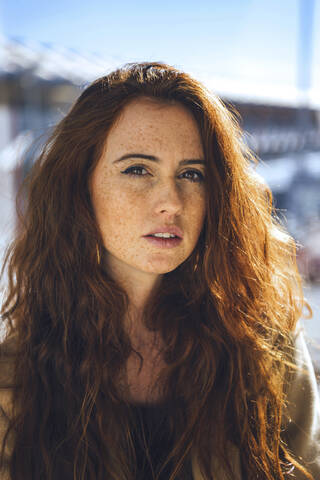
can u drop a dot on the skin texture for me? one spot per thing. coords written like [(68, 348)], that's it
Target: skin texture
[(130, 206)]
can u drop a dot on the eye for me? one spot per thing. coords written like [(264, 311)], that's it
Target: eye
[(135, 171), (140, 171), (193, 175)]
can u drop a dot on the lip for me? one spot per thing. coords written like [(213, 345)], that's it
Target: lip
[(167, 229), (164, 242)]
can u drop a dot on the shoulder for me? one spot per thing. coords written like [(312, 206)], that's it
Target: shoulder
[(303, 396), (301, 419)]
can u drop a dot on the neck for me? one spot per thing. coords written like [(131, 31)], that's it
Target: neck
[(139, 288), (138, 285)]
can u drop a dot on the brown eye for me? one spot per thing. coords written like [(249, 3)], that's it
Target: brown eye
[(135, 171), (194, 176)]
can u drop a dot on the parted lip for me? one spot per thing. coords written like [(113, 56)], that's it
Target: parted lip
[(167, 229)]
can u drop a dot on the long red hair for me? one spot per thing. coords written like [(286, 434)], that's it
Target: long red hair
[(225, 314)]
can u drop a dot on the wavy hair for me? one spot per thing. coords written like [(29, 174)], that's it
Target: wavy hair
[(226, 314)]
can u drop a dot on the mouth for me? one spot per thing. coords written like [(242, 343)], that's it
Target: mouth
[(163, 242), (166, 231)]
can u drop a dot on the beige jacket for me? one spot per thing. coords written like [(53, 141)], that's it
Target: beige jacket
[(301, 426)]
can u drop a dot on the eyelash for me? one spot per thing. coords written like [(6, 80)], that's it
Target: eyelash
[(129, 171)]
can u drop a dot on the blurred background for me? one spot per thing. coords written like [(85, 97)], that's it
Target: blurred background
[(262, 57)]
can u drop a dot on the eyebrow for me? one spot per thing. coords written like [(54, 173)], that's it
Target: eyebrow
[(152, 158)]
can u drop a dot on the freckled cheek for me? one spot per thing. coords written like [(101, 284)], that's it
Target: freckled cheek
[(119, 212), (195, 215)]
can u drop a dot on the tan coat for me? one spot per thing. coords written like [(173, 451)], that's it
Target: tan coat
[(301, 424)]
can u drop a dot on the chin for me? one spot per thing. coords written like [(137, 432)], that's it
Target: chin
[(161, 269)]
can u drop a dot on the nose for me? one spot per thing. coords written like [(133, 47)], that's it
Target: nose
[(168, 198)]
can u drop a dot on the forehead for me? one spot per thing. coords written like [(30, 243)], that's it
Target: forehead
[(148, 120)]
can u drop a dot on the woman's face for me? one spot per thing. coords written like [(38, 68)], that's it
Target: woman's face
[(149, 179)]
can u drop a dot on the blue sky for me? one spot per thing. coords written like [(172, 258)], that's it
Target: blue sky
[(252, 42)]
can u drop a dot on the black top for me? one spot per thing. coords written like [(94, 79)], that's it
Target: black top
[(153, 442)]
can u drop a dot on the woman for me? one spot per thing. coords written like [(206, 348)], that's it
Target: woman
[(153, 300)]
